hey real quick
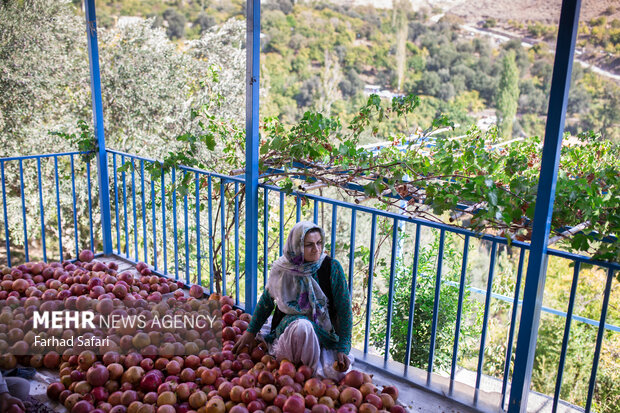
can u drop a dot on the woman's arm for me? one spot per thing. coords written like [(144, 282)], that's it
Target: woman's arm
[(342, 301), (263, 310)]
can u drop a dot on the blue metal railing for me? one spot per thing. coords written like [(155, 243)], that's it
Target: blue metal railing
[(150, 198)]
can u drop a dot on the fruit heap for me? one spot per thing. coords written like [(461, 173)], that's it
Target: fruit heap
[(203, 384), (162, 371)]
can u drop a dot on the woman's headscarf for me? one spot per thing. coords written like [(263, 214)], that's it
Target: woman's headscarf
[(290, 281)]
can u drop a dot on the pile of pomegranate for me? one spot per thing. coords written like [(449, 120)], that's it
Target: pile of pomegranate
[(154, 371)]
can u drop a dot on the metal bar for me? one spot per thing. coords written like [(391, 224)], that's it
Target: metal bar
[(144, 241), (7, 240), (333, 238), (537, 263), (21, 183), (414, 283), (97, 108), (251, 152), (210, 208), (58, 208), (237, 243), (513, 321), (485, 320), (174, 225), (135, 219), (198, 251), (459, 311), (125, 207), (265, 234), (223, 231), (118, 230), (569, 317), (90, 207), (297, 208), (599, 339), (42, 210), (281, 222), (352, 252), (164, 245), (316, 212), (41, 156), (388, 328), (155, 225), (431, 353), (371, 269), (75, 226), (456, 230), (181, 167), (186, 219)]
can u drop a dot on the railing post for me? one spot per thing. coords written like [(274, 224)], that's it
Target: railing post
[(251, 153), (537, 265), (102, 158)]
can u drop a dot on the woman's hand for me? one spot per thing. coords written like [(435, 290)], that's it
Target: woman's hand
[(6, 400), (247, 339), (343, 361)]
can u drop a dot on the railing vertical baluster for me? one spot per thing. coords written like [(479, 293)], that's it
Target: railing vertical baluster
[(135, 215), (266, 234), (164, 245), (297, 208), (599, 338), (7, 240), (223, 231), (388, 328), (186, 219), (237, 243), (21, 182), (485, 320), (569, 319), (144, 241), (125, 207), (513, 321), (58, 207), (210, 210), (459, 311), (42, 210), (431, 353), (90, 207), (281, 222), (153, 213), (315, 213), (75, 225), (174, 224), (118, 231), (371, 269), (334, 224), (352, 251), (198, 250), (414, 283)]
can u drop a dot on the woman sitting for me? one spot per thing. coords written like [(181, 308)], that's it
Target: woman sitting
[(313, 319)]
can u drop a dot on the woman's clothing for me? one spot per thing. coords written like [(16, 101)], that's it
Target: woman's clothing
[(340, 338), (291, 285), (299, 343)]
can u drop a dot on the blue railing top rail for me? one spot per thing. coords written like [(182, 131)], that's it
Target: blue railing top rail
[(240, 179), (47, 155), (439, 225)]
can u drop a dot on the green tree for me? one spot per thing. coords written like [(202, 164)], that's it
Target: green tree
[(507, 95)]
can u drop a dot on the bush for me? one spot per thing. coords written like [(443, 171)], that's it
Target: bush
[(176, 24)]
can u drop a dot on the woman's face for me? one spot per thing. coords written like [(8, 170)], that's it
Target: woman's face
[(313, 246)]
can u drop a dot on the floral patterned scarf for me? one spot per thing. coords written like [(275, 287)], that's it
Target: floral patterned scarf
[(290, 281)]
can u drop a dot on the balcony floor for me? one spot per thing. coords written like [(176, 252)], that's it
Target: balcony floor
[(415, 398)]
